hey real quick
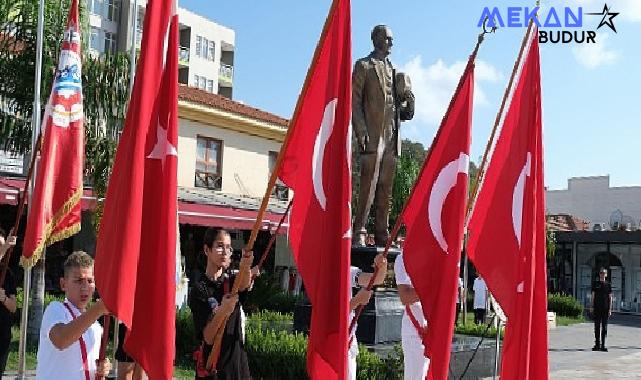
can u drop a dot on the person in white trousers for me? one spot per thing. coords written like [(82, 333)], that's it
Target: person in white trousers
[(414, 360)]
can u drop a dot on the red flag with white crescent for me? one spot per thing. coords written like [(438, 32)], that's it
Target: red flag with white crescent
[(316, 166), (434, 218), (507, 228), (136, 247)]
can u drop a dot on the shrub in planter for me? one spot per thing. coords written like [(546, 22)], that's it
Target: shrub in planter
[(564, 305), (282, 355), (185, 336), (370, 366), (267, 295), (270, 320), (473, 329), (276, 355)]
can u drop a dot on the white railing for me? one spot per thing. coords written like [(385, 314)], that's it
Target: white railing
[(183, 56), (226, 73)]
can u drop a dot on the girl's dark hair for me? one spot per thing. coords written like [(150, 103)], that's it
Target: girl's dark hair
[(212, 234)]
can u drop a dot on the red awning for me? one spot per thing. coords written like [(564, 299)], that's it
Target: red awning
[(226, 217), (188, 213), (10, 188)]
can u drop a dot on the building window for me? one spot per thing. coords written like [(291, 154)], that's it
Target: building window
[(280, 191), (110, 42), (203, 83), (205, 48), (94, 40), (199, 42), (140, 15), (211, 51), (113, 10), (95, 7), (209, 158)]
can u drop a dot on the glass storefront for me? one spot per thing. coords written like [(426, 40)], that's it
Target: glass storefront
[(580, 255)]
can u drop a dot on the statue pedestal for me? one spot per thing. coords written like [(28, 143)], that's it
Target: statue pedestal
[(381, 318)]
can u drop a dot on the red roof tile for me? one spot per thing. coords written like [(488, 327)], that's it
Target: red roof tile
[(205, 98), (565, 222), (10, 43)]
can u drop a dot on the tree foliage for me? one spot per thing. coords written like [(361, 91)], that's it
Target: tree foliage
[(408, 167)]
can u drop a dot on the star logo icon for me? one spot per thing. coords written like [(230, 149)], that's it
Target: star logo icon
[(163, 147), (607, 18)]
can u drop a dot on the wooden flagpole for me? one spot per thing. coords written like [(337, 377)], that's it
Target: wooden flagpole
[(213, 357), (476, 184)]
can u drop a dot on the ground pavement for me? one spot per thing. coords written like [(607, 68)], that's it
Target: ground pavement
[(571, 355)]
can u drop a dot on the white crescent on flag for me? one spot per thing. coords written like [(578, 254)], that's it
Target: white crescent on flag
[(325, 131), (445, 182), (348, 156), (517, 198)]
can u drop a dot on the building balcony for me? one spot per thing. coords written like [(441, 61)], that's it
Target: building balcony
[(226, 75), (183, 56)]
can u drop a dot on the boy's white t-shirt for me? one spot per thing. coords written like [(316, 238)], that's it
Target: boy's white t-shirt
[(402, 278), (55, 364)]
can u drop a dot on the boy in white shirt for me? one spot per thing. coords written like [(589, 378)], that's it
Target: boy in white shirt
[(70, 334), (414, 360)]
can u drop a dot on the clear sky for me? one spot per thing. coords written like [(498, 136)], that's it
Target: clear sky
[(591, 94)]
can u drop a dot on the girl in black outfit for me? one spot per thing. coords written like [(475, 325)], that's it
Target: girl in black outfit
[(210, 299)]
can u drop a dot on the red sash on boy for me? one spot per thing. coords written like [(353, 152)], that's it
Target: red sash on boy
[(83, 345)]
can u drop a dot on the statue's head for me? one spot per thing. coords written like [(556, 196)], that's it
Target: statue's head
[(382, 39)]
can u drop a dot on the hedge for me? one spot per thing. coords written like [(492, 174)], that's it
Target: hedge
[(564, 305), (276, 353)]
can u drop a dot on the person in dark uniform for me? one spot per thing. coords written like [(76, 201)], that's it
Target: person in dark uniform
[(7, 304), (210, 300), (601, 309)]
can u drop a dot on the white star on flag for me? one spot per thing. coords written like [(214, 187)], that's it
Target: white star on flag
[(163, 147)]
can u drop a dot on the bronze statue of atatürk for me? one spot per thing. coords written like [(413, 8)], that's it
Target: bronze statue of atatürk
[(381, 99)]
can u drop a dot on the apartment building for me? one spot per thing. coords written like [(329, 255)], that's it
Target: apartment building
[(206, 59)]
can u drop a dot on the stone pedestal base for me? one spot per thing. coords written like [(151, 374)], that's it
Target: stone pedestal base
[(381, 319)]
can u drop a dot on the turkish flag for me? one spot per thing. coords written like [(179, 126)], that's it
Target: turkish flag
[(507, 228), (316, 165), (434, 217), (54, 212), (136, 248)]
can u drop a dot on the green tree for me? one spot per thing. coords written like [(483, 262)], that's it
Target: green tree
[(408, 166)]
